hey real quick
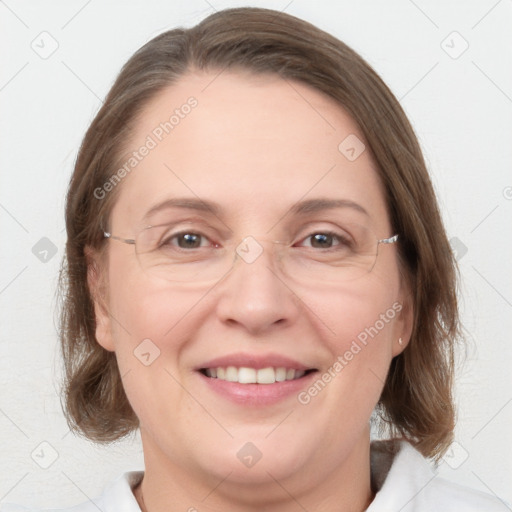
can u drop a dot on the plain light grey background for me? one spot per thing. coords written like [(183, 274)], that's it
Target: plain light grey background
[(450, 65)]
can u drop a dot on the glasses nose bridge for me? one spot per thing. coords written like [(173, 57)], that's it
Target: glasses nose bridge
[(255, 248)]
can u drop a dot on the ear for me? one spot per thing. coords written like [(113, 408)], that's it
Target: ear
[(97, 283), (404, 323)]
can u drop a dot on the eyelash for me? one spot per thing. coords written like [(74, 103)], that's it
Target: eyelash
[(340, 238)]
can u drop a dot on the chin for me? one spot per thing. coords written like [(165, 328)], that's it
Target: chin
[(256, 459)]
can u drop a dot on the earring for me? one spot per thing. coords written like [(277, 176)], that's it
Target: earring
[(400, 341)]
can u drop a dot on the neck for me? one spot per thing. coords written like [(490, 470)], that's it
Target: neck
[(334, 486)]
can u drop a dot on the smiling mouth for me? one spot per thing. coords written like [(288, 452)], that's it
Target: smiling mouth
[(245, 375)]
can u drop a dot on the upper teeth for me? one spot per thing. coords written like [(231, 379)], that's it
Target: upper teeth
[(245, 375)]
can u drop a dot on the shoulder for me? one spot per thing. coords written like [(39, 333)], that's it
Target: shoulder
[(11, 507), (411, 484), (444, 492), (117, 496)]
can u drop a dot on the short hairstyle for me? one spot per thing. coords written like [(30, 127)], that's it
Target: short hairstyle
[(416, 402)]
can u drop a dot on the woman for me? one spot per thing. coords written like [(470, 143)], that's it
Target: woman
[(256, 267)]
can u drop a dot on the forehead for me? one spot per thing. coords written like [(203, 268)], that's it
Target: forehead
[(254, 144)]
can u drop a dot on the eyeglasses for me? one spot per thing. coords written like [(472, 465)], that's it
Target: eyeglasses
[(321, 256)]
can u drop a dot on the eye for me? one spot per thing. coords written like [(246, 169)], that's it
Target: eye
[(186, 240), (325, 240)]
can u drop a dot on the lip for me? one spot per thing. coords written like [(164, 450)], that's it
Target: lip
[(257, 361), (257, 394)]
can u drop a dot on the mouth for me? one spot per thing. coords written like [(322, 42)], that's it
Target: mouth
[(249, 375), (255, 379)]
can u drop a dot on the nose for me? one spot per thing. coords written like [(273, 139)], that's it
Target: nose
[(254, 295)]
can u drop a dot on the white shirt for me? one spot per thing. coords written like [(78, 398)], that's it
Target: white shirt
[(403, 479)]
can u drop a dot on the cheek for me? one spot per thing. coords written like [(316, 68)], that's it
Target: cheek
[(143, 309), (358, 315), (358, 327), (151, 327)]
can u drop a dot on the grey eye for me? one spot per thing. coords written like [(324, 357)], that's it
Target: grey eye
[(186, 240), (322, 240), (189, 240)]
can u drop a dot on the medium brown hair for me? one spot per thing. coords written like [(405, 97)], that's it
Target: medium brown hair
[(416, 402)]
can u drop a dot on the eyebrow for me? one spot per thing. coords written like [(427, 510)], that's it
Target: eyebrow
[(301, 208), (321, 204)]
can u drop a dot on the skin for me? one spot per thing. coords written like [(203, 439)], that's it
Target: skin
[(256, 145)]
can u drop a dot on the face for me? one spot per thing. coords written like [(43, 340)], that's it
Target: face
[(257, 148)]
